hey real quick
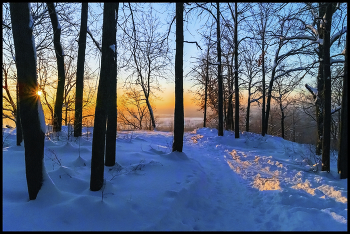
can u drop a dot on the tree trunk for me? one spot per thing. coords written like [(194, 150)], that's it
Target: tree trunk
[(343, 139), (112, 101), (103, 96), (236, 77), (57, 121), (27, 86), (220, 91), (263, 128), (206, 89), (282, 119), (327, 89), (80, 71), (19, 133), (320, 85), (179, 103)]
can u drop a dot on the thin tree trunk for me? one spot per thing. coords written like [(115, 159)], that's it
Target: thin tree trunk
[(33, 134), (263, 128), (57, 121), (206, 90), (220, 91), (80, 71), (179, 104), (236, 77)]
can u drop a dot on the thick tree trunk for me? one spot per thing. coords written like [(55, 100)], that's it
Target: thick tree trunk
[(107, 71), (57, 121), (179, 103), (320, 86), (220, 91), (112, 102), (19, 132), (33, 134), (327, 89), (343, 139), (80, 71)]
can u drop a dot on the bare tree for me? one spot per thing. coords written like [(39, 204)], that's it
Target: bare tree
[(179, 103), (56, 27), (32, 123), (107, 75), (80, 71), (343, 139), (147, 56), (132, 110)]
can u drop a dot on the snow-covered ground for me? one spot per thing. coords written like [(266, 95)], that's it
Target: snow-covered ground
[(253, 183)]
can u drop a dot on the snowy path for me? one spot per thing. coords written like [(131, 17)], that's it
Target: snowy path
[(239, 175)]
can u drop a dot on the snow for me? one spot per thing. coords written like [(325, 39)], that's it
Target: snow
[(252, 183), (338, 34), (31, 23), (112, 47), (337, 61)]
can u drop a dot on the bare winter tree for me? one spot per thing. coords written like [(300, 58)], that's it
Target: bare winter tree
[(179, 102), (80, 71), (32, 123), (56, 27), (326, 24), (147, 53), (107, 76), (343, 140)]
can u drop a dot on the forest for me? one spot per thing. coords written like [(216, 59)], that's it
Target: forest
[(269, 68)]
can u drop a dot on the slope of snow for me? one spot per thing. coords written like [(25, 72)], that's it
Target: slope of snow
[(253, 183)]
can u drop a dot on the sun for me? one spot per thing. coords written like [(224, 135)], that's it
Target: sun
[(39, 92)]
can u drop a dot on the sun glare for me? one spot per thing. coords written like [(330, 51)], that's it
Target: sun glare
[(39, 92)]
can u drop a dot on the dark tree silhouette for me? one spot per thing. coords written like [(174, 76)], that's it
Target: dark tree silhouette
[(80, 71), (112, 101), (56, 27), (220, 82), (343, 140), (327, 86), (107, 74), (179, 105), (33, 134)]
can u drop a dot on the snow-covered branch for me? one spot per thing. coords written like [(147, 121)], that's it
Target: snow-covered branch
[(335, 110), (338, 34), (290, 70), (312, 90), (337, 61)]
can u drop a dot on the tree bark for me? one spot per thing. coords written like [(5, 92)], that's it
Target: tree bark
[(320, 85), (343, 139), (112, 100), (57, 121), (80, 71), (236, 77), (179, 103), (327, 89), (19, 132), (263, 127), (220, 84), (107, 71), (33, 135)]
